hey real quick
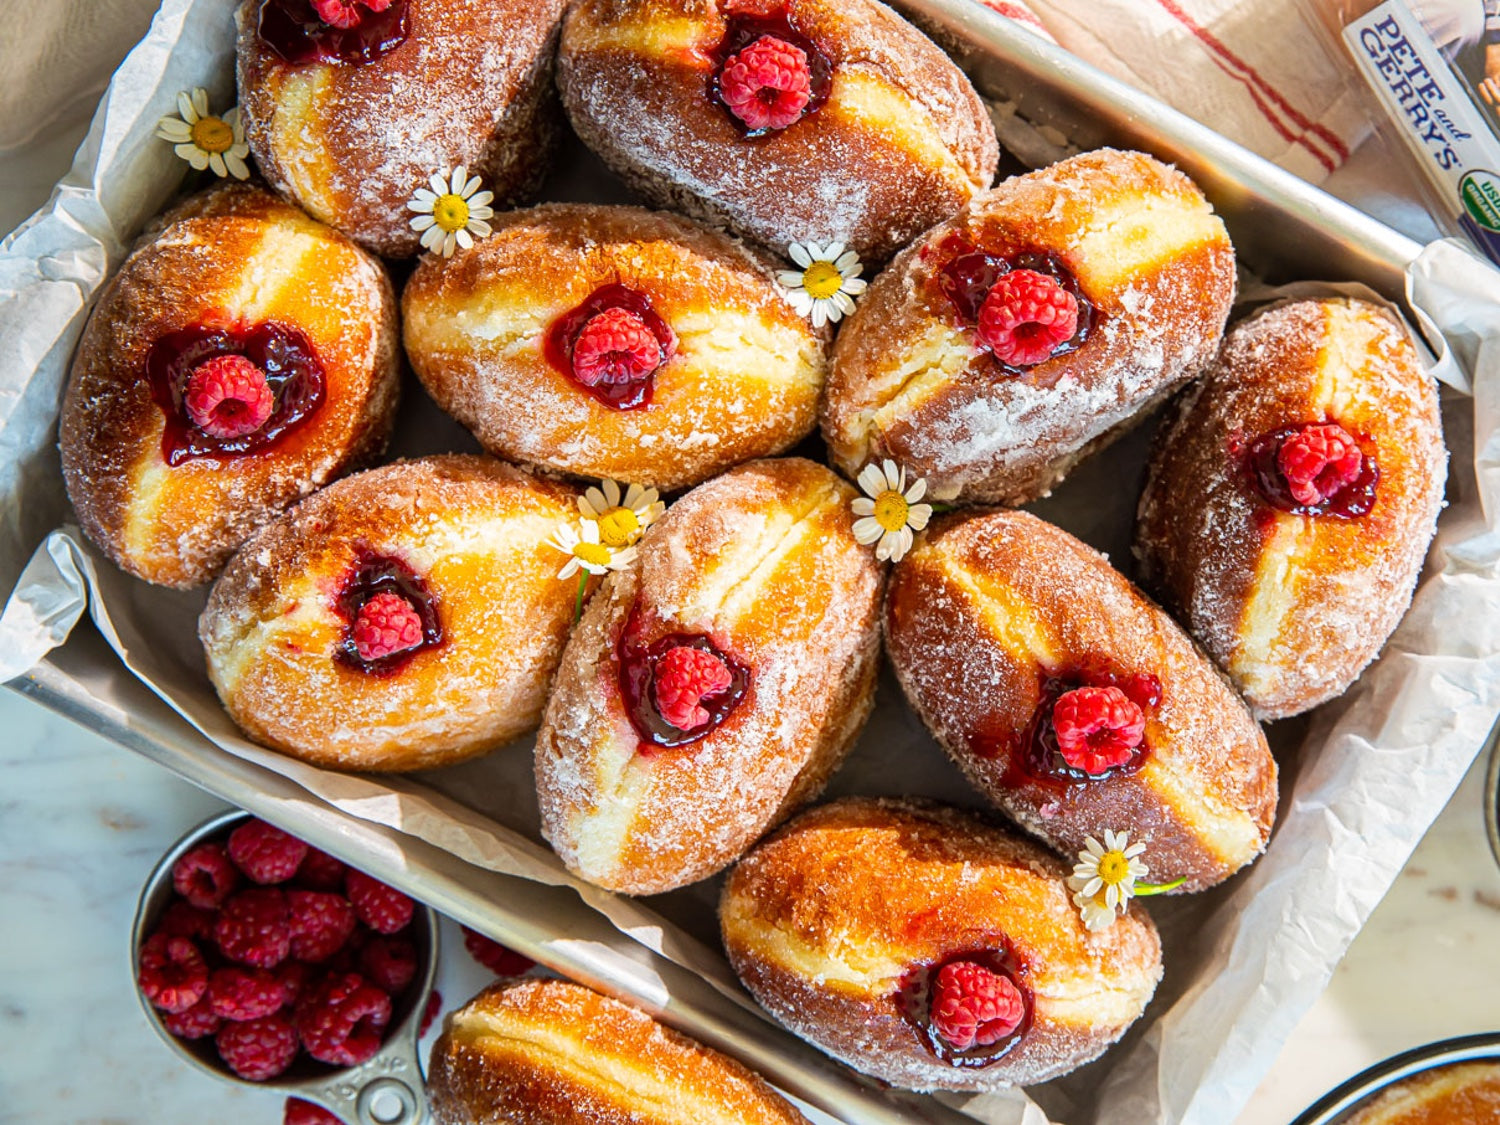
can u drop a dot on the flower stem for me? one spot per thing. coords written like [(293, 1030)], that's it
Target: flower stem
[(1145, 890), (583, 581)]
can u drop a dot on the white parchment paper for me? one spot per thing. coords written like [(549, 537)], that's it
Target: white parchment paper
[(1360, 785)]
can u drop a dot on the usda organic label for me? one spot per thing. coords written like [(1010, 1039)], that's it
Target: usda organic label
[(1480, 192)]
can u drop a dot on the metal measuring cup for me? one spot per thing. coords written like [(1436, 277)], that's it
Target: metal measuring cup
[(385, 1090)]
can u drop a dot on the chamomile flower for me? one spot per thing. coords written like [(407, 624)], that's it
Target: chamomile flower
[(826, 282), (453, 213), (580, 542), (1105, 878), (205, 140), (622, 519), (889, 512)]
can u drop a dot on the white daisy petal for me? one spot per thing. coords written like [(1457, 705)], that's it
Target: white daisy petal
[(174, 129), (904, 540), (800, 255), (917, 516), (831, 309), (439, 184), (432, 238), (844, 302), (457, 179), (480, 228), (831, 252), (867, 530), (855, 286), (237, 166), (1095, 848), (801, 302), (423, 222), (194, 156), (790, 279), (847, 262), (185, 107), (483, 199), (862, 506), (478, 213), (200, 103), (464, 238), (819, 313)]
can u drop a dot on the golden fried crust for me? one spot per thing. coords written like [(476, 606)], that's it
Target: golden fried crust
[(902, 142), (472, 85), (825, 919), (547, 1052), (744, 382), (1294, 607), (987, 606), (233, 254), (475, 531), (1468, 1093), (909, 381), (764, 562)]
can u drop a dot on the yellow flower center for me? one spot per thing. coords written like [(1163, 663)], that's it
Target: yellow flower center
[(451, 212), (619, 527), (595, 554), (212, 135), (822, 280), (891, 510), (1114, 868)]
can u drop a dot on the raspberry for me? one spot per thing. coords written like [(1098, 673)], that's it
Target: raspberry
[(197, 1022), (320, 924), (389, 963), (245, 994), (182, 919), (1097, 728), (265, 853), (321, 872), (253, 928), (615, 347), (343, 13), (173, 975), (299, 1112), (494, 956), (346, 960), (430, 1012), (258, 1049), (341, 1020), (683, 677), (228, 397), (384, 909), (972, 1006), (205, 877), (1025, 317), (294, 977), (768, 84), (1319, 462), (387, 624)]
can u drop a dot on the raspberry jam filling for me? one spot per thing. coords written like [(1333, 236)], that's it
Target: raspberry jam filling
[(350, 32), (228, 392), (768, 75), (970, 1009), (678, 688), (612, 345), (1315, 469), (390, 616)]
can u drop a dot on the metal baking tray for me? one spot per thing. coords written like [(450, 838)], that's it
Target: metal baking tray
[(1337, 1104)]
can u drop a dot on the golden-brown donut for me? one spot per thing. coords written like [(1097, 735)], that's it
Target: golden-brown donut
[(506, 337), (1022, 650), (312, 657), (1294, 597), (1009, 343), (882, 136), (758, 573), (857, 923), (350, 122), (1459, 1094), (233, 285), (547, 1052)]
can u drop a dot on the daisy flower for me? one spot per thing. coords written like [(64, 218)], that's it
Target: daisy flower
[(622, 519), (580, 542), (826, 284), (1107, 876), (889, 511), (451, 214), (206, 141)]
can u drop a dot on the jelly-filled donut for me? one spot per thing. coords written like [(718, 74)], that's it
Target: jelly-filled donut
[(1292, 498), (784, 120), (407, 617), (243, 356)]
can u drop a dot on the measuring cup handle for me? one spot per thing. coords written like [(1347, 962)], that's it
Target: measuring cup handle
[(386, 1090)]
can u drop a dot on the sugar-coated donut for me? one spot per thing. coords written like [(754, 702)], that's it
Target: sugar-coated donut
[(1457, 1094), (1073, 702), (407, 617), (714, 685), (1292, 497), (869, 927), (350, 120), (784, 120), (615, 342), (243, 356), (1009, 343), (548, 1052)]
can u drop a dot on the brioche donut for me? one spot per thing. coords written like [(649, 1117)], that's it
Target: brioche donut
[(547, 1052), (783, 120), (243, 356), (869, 926), (1012, 341), (615, 342), (1074, 703), (1458, 1094), (1294, 582), (715, 685), (404, 618), (350, 120)]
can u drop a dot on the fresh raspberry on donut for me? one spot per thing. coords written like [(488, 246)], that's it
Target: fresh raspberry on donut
[(386, 624), (767, 85), (974, 1007), (205, 876), (1026, 316), (341, 1022), (1098, 728), (345, 14), (683, 677), (615, 346), (173, 975), (228, 397), (258, 1049), (1319, 462), (265, 853)]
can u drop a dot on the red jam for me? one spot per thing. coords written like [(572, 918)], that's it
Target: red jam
[(295, 31), (915, 1000), (563, 333), (638, 660), (292, 370), (372, 576), (742, 31), (1351, 500)]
